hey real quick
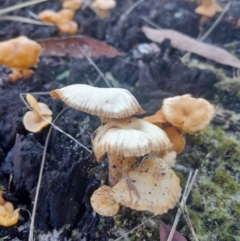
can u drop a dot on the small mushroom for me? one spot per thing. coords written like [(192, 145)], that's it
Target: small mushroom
[(103, 203), (8, 216), (152, 187), (103, 6), (124, 140), (103, 102), (187, 113), (72, 4), (19, 54), (176, 137), (70, 27), (157, 119), (33, 120), (208, 8)]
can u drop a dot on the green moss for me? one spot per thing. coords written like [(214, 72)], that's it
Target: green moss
[(224, 179)]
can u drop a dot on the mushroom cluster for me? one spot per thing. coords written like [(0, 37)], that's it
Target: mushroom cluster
[(124, 138), (8, 216), (63, 18), (182, 114), (19, 54)]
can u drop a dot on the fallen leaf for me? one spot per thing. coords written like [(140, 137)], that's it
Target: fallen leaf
[(73, 47), (186, 43), (165, 230)]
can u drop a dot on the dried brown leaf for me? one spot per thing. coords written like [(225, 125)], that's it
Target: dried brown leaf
[(74, 47), (186, 43), (164, 233)]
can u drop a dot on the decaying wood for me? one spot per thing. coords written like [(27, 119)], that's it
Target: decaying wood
[(183, 42)]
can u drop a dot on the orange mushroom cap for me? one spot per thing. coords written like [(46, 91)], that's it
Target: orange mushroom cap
[(176, 138), (188, 114), (70, 27), (208, 8), (49, 16)]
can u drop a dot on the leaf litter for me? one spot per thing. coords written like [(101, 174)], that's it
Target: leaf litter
[(71, 46), (183, 42)]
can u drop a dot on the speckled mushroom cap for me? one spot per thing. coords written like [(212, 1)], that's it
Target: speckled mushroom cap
[(103, 203), (152, 187), (129, 137), (103, 102), (189, 114)]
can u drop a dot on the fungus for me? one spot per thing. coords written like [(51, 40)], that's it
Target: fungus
[(103, 102), (103, 6), (72, 4), (152, 187), (8, 216), (157, 119), (208, 8), (33, 120), (176, 138), (62, 19), (124, 140), (188, 114), (103, 203), (19, 54)]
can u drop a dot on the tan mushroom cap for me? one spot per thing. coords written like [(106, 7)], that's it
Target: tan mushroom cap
[(129, 137), (20, 52), (157, 119), (208, 8), (156, 188), (8, 219), (40, 107), (72, 4), (189, 114), (70, 27), (103, 203), (49, 16), (34, 122), (103, 102)]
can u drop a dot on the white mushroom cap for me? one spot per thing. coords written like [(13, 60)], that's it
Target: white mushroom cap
[(152, 187), (103, 203), (103, 102), (129, 137)]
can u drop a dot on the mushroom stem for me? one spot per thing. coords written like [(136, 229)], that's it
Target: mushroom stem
[(117, 166)]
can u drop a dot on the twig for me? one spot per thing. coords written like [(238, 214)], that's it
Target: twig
[(32, 14), (23, 20), (226, 8), (220, 17), (150, 22), (184, 199), (51, 123), (95, 66), (20, 5), (30, 237)]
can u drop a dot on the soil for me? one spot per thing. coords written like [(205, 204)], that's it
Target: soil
[(70, 173)]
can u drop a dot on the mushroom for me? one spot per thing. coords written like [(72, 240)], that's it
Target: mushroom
[(103, 6), (72, 4), (103, 102), (19, 54), (62, 19), (8, 216), (208, 8), (176, 138), (157, 119), (36, 119), (152, 187), (124, 140), (103, 203), (187, 113)]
